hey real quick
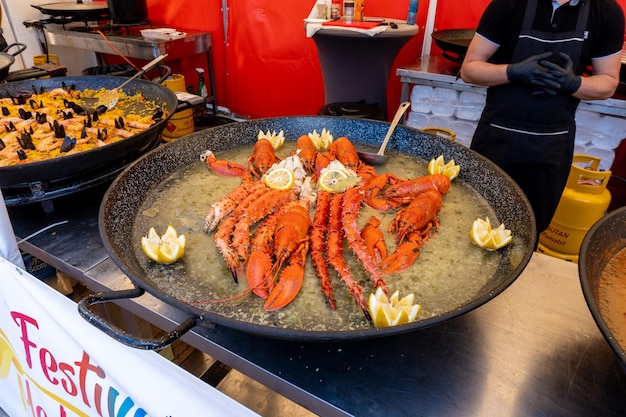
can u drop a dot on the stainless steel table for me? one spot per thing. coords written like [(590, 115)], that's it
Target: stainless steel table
[(134, 46), (532, 351)]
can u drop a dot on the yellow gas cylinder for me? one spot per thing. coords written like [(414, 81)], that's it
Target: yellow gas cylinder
[(181, 123), (584, 201)]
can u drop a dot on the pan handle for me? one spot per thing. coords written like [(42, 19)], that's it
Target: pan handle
[(164, 72), (122, 336), (458, 59), (20, 48)]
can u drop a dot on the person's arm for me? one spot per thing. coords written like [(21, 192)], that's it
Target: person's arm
[(477, 70), (604, 79)]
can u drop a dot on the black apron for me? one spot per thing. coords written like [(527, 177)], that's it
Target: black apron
[(531, 137)]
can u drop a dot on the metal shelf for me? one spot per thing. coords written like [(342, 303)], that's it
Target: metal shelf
[(133, 46)]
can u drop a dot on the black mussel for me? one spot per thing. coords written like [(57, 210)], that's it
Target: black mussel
[(2, 145), (158, 115), (78, 110), (20, 100), (31, 131), (83, 133), (101, 109), (67, 104), (119, 123), (11, 127), (59, 130), (68, 144), (68, 115), (21, 154), (102, 134), (5, 111), (26, 141), (68, 88), (33, 104), (41, 118), (87, 122), (95, 116), (25, 114)]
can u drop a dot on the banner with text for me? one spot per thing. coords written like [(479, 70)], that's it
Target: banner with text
[(55, 364)]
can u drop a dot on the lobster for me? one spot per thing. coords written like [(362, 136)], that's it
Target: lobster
[(374, 192), (291, 243), (261, 247), (404, 191), (388, 192), (322, 161), (412, 227), (307, 152), (343, 150), (262, 158)]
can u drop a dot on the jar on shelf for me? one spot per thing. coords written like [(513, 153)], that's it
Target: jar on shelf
[(348, 9)]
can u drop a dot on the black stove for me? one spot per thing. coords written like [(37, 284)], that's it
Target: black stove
[(358, 109)]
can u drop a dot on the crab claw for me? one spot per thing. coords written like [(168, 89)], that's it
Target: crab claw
[(403, 257), (221, 167)]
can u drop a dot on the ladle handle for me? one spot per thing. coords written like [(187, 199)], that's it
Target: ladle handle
[(144, 69), (399, 113)]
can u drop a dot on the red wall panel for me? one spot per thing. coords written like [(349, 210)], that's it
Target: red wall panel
[(267, 66)]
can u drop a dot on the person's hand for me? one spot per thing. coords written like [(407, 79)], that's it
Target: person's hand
[(561, 75), (527, 73)]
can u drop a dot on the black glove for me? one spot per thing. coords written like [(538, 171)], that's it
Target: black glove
[(527, 72), (562, 75)]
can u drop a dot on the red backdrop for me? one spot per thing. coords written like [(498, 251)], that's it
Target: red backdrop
[(266, 66)]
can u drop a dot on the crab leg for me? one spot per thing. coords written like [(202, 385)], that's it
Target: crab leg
[(318, 235), (335, 253)]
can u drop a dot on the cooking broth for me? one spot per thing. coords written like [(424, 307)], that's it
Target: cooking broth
[(612, 296), (449, 272)]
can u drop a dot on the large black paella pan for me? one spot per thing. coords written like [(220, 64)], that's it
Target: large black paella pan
[(123, 208), (80, 167)]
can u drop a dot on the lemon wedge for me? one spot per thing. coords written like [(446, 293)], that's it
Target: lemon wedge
[(337, 180), (164, 249), (276, 139), (321, 140), (439, 166), (486, 237), (279, 178), (392, 311)]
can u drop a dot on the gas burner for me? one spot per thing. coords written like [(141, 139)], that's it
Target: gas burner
[(358, 109)]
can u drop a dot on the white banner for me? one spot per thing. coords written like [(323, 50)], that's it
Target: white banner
[(55, 364), (8, 245)]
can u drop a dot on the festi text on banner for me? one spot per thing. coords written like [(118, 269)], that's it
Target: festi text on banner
[(55, 364)]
